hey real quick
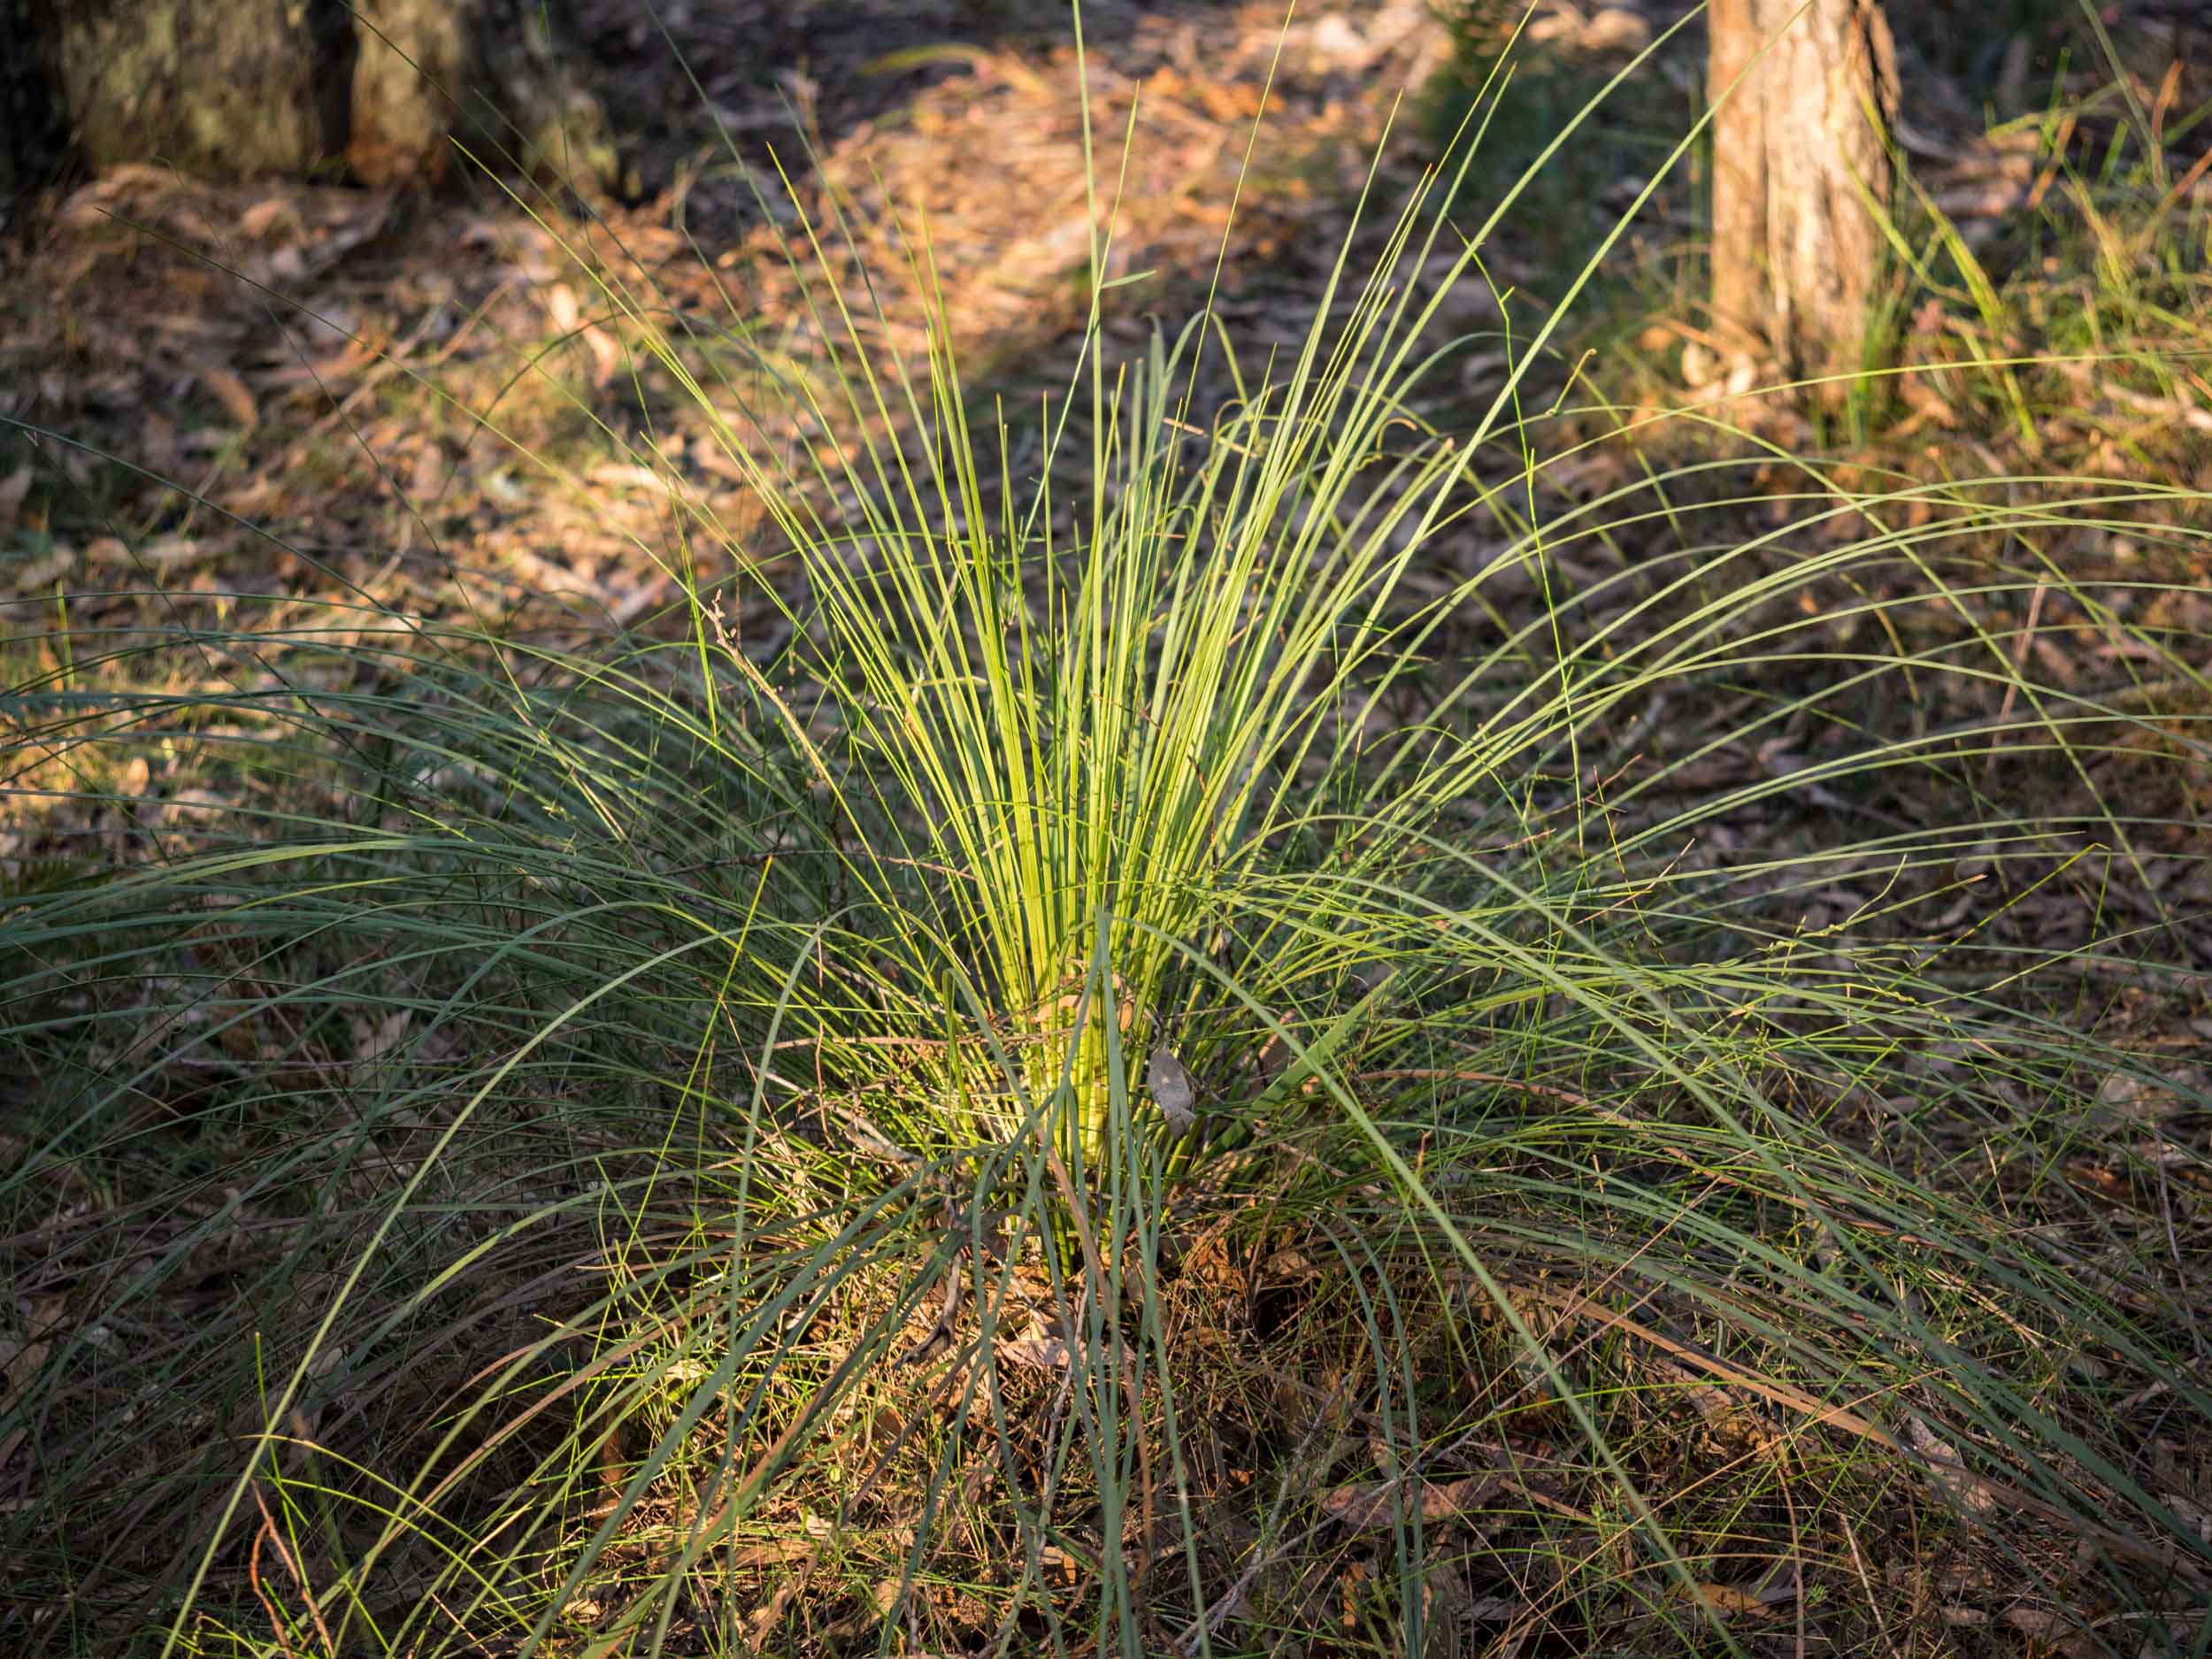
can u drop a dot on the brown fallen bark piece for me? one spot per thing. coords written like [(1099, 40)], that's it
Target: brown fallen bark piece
[(1374, 1504)]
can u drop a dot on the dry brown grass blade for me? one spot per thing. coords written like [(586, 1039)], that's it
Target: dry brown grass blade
[(1094, 1266)]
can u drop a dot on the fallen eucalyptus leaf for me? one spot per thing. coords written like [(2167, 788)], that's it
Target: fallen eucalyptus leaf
[(1173, 1091)]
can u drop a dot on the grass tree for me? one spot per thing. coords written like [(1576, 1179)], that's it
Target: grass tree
[(1147, 1065)]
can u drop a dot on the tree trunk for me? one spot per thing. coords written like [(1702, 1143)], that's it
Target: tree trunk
[(34, 130), (490, 73), (253, 88), (228, 88), (1797, 154)]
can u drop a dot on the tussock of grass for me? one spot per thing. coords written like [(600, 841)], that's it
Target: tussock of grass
[(654, 1147)]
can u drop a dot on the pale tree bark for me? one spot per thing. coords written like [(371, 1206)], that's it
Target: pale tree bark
[(1799, 154)]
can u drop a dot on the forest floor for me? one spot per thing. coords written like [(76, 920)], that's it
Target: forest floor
[(428, 404), (246, 409), (431, 406)]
